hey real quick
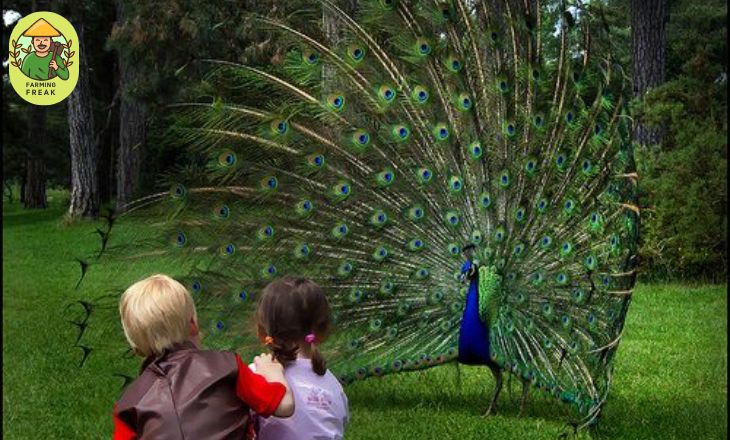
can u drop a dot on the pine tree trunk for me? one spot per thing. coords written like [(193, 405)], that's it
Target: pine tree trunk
[(34, 190), (84, 177), (648, 24), (132, 129)]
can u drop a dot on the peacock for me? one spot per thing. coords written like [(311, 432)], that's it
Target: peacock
[(457, 175)]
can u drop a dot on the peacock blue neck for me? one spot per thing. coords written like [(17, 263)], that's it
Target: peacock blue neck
[(473, 333)]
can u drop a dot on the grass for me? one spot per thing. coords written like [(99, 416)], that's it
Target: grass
[(670, 372)]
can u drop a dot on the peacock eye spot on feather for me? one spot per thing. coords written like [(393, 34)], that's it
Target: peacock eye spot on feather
[(568, 204), (243, 295), (494, 36), (402, 132), (388, 94), (586, 165), (229, 249), (424, 48), (344, 189), (560, 159), (318, 160), (196, 286), (219, 325), (281, 127), (271, 270), (466, 102), (426, 174), (271, 182), (422, 95), (418, 212), (503, 85), (598, 128), (363, 138), (443, 132), (594, 218), (510, 129), (569, 117), (456, 65), (504, 179), (381, 218), (542, 204)]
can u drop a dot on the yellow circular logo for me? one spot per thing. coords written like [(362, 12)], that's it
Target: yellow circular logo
[(44, 53)]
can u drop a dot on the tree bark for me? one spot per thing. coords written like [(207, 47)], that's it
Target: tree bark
[(132, 129), (648, 25), (84, 177), (34, 190)]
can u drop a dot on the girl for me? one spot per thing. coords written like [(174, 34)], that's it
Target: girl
[(293, 318)]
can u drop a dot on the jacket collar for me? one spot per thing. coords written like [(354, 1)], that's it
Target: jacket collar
[(173, 352)]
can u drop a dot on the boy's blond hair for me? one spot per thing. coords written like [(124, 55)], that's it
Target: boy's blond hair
[(156, 314)]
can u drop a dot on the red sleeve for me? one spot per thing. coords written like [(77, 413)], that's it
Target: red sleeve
[(121, 430), (259, 394)]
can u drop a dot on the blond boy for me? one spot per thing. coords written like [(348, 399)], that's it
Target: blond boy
[(183, 391)]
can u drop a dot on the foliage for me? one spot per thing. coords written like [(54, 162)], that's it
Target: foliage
[(684, 179)]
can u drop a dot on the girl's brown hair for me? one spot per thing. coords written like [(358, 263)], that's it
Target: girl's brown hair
[(288, 310)]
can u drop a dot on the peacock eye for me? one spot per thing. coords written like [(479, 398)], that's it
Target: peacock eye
[(422, 96)]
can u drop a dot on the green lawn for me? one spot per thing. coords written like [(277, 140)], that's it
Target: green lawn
[(670, 374)]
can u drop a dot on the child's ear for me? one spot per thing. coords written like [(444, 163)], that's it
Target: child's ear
[(194, 330), (260, 333)]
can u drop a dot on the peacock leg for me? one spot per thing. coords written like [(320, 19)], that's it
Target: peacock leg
[(525, 392), (498, 387)]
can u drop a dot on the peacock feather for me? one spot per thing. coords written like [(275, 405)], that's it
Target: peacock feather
[(444, 125)]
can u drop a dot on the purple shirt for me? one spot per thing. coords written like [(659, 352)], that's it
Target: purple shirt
[(320, 407)]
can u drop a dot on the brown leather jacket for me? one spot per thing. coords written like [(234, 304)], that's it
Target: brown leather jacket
[(185, 393)]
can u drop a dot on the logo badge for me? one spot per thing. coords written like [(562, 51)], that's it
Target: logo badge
[(44, 53)]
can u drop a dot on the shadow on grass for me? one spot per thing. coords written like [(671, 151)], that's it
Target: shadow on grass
[(622, 417)]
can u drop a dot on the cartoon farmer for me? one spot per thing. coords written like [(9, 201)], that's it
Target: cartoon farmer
[(39, 65)]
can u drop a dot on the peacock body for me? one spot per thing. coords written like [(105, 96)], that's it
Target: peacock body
[(456, 175)]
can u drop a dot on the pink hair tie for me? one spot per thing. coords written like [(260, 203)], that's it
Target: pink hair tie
[(309, 339)]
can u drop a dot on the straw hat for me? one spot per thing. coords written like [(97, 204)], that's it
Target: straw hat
[(41, 28)]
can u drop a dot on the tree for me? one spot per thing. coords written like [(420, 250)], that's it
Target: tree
[(648, 24), (84, 178), (132, 121)]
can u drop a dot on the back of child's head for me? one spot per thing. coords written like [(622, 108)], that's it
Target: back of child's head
[(156, 314), (290, 312)]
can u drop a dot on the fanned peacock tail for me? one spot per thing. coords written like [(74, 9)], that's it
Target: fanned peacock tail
[(441, 124)]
